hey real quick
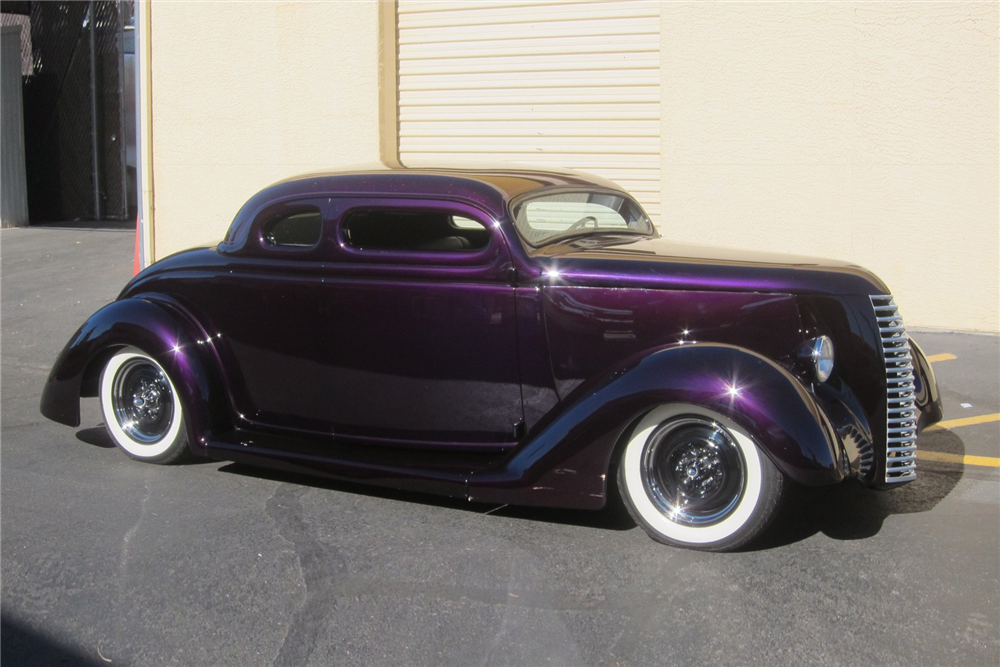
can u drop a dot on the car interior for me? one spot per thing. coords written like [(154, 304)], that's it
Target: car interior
[(387, 229)]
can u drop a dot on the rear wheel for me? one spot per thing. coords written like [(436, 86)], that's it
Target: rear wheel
[(693, 478), (141, 408)]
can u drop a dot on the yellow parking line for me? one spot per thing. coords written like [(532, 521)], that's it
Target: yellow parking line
[(965, 459), (941, 357), (965, 421)]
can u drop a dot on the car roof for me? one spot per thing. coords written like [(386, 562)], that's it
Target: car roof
[(512, 180), (490, 188)]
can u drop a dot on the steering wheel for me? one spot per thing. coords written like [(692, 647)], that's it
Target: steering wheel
[(583, 222)]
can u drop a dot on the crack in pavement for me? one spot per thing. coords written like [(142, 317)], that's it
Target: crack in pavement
[(130, 533), (320, 567)]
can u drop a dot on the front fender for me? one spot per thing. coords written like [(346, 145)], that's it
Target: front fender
[(926, 393), (566, 460), (175, 343)]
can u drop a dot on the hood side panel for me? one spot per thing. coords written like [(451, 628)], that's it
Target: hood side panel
[(657, 263), (590, 329)]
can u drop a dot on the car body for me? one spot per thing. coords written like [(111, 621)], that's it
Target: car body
[(510, 336)]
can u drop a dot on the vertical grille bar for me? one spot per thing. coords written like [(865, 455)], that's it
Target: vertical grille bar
[(901, 410)]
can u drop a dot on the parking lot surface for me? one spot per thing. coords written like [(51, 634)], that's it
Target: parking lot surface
[(109, 561)]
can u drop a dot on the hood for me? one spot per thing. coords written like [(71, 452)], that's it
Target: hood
[(661, 263)]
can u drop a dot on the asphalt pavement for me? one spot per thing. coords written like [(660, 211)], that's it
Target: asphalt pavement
[(110, 561)]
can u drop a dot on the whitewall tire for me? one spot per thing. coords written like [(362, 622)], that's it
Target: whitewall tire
[(693, 478), (141, 408)]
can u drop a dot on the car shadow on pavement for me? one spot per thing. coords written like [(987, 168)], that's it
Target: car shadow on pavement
[(850, 511), (845, 511), (610, 518), (98, 436)]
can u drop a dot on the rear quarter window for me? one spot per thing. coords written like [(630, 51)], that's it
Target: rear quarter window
[(300, 229)]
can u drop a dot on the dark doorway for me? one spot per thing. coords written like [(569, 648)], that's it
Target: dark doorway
[(78, 94)]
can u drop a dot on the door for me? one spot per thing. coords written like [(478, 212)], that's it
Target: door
[(266, 313), (420, 329)]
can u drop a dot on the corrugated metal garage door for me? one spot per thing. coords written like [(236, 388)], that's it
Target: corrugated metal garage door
[(561, 84)]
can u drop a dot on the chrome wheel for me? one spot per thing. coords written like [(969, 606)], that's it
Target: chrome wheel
[(693, 471), (694, 478), (142, 400), (142, 410)]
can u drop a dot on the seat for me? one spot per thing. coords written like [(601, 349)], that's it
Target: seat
[(446, 243)]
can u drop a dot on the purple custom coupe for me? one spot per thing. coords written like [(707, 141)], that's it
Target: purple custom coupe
[(507, 336)]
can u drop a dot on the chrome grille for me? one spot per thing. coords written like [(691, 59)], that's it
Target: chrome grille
[(901, 409)]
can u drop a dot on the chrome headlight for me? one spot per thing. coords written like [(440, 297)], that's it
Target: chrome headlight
[(818, 354)]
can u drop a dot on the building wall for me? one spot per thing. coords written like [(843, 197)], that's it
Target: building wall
[(862, 131), (248, 93), (542, 84)]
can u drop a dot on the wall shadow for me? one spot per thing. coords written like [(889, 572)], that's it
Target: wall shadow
[(21, 644), (88, 225)]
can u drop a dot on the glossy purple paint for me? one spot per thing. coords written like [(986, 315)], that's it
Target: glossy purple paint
[(156, 327), (504, 374), (657, 263), (571, 451)]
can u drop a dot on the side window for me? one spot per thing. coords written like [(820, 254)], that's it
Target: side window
[(418, 231), (301, 229)]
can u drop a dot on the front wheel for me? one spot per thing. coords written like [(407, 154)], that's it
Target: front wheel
[(141, 408), (693, 478)]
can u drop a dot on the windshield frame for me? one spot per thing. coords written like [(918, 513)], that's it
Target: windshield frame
[(541, 193)]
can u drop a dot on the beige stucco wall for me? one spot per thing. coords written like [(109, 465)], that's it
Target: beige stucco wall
[(863, 131), (248, 93)]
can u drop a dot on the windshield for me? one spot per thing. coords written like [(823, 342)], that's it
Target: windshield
[(548, 218)]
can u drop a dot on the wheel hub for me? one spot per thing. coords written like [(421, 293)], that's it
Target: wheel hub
[(142, 401), (146, 400), (700, 470), (693, 471)]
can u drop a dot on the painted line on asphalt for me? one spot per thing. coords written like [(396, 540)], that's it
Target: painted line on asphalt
[(964, 459), (941, 357), (965, 421)]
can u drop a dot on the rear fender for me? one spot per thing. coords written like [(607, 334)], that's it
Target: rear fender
[(567, 458), (175, 342)]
